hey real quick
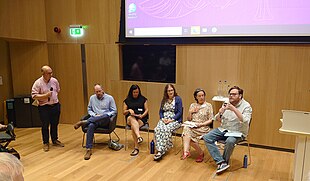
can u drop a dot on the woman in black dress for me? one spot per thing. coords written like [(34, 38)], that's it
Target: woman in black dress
[(136, 111)]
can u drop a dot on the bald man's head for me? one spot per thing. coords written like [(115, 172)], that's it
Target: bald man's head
[(98, 91), (47, 72), (45, 68)]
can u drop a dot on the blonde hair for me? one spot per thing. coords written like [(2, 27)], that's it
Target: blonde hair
[(10, 167)]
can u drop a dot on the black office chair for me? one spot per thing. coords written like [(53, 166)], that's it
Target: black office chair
[(102, 130), (5, 139)]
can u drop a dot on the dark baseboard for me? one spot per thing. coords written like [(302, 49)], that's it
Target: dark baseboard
[(243, 144), (269, 147)]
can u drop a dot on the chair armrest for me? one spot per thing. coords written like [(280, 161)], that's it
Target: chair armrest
[(112, 124)]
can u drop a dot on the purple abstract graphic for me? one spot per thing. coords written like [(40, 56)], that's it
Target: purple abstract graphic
[(216, 13)]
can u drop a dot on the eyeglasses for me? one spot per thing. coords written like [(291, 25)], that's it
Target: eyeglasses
[(233, 94), (170, 90)]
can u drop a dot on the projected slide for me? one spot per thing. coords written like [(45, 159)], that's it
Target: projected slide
[(191, 18)]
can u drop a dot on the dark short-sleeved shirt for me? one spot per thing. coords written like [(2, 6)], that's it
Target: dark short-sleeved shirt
[(137, 105)]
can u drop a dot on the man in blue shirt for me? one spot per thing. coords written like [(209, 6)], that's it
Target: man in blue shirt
[(101, 108)]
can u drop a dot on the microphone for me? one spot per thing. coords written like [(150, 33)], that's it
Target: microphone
[(48, 99), (223, 106)]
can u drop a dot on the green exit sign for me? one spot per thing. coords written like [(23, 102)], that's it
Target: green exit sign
[(76, 32)]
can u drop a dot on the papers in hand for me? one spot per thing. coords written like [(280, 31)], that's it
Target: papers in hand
[(189, 124), (234, 134)]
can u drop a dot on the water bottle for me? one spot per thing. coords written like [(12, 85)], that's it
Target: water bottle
[(245, 161), (228, 87), (152, 146), (224, 90), (220, 89)]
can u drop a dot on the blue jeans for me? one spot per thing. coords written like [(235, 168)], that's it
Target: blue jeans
[(216, 135), (93, 123)]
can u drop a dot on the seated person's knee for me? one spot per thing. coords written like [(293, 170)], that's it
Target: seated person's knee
[(230, 141), (207, 139)]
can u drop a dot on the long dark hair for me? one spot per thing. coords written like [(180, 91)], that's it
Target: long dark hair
[(166, 97), (131, 89)]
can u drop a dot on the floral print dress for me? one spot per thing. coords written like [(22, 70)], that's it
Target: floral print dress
[(163, 132), (204, 113)]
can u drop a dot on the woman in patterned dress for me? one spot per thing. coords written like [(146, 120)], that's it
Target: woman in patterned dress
[(170, 114), (200, 113)]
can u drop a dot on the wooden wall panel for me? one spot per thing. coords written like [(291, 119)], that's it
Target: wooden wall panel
[(60, 14), (66, 63), (26, 62), (102, 64), (95, 66), (101, 17), (274, 78), (6, 89), (206, 65), (23, 19)]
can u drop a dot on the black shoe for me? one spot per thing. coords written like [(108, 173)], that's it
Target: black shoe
[(134, 152)]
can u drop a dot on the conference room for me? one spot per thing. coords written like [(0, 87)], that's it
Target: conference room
[(261, 46)]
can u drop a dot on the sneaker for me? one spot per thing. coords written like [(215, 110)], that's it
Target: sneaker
[(222, 167), (46, 147), (87, 154), (58, 143)]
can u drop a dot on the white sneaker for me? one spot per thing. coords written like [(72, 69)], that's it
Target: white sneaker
[(222, 167)]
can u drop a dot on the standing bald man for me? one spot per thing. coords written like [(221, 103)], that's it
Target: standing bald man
[(45, 89)]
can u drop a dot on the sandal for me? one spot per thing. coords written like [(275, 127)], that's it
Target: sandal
[(134, 152), (200, 158), (140, 140), (185, 155), (158, 156)]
